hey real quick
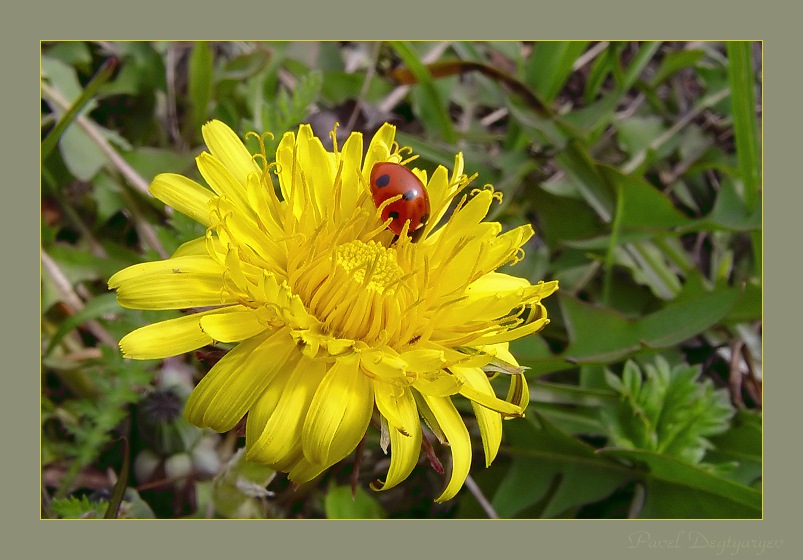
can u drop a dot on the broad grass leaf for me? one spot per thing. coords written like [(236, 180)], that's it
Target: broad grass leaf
[(741, 446), (540, 453), (601, 335), (339, 504), (675, 489)]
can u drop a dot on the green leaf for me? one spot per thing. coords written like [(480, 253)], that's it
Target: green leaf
[(78, 508), (593, 119), (79, 265), (201, 67), (427, 84), (600, 335), (120, 486), (562, 219), (677, 490), (730, 212), (149, 162), (746, 130), (551, 65), (96, 307), (541, 452), (102, 75), (578, 163), (73, 53), (574, 409), (675, 61), (239, 488), (118, 384), (745, 123), (749, 306), (600, 69), (339, 87), (643, 206), (81, 155), (669, 412), (740, 446), (286, 111), (244, 67), (634, 133), (339, 504)]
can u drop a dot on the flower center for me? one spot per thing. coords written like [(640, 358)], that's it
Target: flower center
[(358, 292), (370, 265)]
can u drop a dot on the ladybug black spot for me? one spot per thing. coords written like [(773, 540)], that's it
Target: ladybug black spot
[(393, 215), (383, 180), (409, 195), (424, 219)]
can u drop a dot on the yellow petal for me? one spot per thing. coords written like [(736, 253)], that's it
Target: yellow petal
[(222, 181), (393, 402), (304, 471), (547, 288), (176, 283), (441, 385), (488, 419), (456, 434), (282, 433), (518, 332), (518, 393), (260, 412), (385, 365), (471, 213), (167, 338), (440, 195), (319, 169), (185, 195), (177, 265), (174, 292), (232, 386), (429, 417), (423, 360), (379, 148), (504, 247), (233, 326), (495, 282), (261, 250), (398, 406), (227, 147), (196, 247), (490, 423), (290, 174), (339, 414), (351, 157), (478, 389)]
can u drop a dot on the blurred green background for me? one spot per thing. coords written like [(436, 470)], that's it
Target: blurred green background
[(639, 165)]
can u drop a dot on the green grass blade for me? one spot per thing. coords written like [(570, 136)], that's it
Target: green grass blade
[(118, 492), (424, 78), (674, 62), (745, 127), (201, 67), (551, 65), (100, 78), (744, 119)]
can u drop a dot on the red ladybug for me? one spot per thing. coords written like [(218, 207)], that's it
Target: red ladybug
[(391, 179)]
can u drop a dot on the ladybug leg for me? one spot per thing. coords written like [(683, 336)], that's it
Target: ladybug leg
[(418, 233)]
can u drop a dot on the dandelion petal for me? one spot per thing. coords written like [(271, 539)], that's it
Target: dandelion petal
[(456, 433), (338, 415), (226, 393)]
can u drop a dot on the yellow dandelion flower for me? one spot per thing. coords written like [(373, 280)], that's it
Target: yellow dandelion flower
[(337, 320)]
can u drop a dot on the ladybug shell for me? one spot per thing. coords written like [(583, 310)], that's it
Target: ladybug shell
[(391, 179)]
